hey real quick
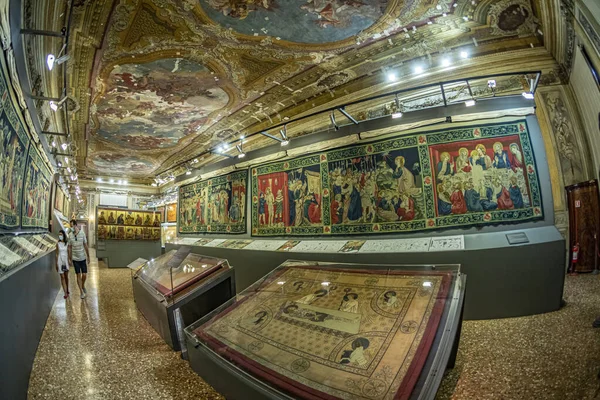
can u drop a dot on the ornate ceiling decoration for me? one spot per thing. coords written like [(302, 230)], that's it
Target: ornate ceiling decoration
[(158, 81)]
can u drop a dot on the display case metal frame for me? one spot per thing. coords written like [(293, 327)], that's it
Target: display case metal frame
[(164, 312), (235, 383)]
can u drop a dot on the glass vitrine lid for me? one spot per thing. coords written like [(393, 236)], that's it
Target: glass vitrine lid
[(324, 330), (177, 270)]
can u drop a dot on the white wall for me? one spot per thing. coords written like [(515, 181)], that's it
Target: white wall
[(587, 95)]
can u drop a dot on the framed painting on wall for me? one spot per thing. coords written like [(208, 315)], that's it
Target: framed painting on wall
[(215, 205), (59, 199), (14, 143), (36, 195), (172, 212), (458, 177)]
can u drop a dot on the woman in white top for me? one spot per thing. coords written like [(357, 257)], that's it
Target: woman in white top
[(62, 261)]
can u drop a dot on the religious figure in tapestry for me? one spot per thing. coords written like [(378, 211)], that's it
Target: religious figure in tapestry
[(216, 205), (36, 192), (14, 143), (457, 177)]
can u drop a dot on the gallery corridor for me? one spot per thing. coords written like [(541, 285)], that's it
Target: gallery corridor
[(103, 348)]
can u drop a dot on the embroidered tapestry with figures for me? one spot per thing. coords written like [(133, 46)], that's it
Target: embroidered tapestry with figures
[(215, 205), (36, 195), (14, 143), (465, 176)]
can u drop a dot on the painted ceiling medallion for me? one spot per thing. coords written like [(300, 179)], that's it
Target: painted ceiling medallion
[(312, 21), (154, 105), (512, 17)]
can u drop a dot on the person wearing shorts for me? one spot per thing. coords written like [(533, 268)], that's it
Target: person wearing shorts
[(62, 261), (79, 254)]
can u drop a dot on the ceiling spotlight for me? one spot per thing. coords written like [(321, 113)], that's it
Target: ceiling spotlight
[(99, 180), (241, 151), (53, 106), (470, 103), (445, 62), (188, 172), (492, 83), (50, 61), (154, 184), (124, 182), (64, 146), (68, 170), (242, 137), (112, 181), (59, 164), (398, 113), (67, 160), (285, 142), (391, 77), (464, 54), (418, 69), (53, 143), (528, 95)]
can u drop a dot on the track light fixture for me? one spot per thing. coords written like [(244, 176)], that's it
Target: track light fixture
[(332, 118), (240, 151), (471, 102), (398, 113), (51, 60), (55, 106), (284, 137)]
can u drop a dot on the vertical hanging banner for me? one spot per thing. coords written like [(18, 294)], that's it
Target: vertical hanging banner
[(36, 192), (14, 143), (216, 205), (459, 177)]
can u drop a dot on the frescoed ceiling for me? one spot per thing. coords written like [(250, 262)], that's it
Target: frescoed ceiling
[(157, 81)]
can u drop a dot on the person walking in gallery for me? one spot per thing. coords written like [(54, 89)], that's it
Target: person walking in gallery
[(62, 261), (79, 254)]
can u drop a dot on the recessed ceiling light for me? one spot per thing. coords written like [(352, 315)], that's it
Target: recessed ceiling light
[(464, 54), (445, 62), (418, 69), (392, 77)]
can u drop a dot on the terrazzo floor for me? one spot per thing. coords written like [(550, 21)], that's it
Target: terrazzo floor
[(103, 348)]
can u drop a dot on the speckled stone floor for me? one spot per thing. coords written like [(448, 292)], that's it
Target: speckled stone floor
[(103, 348)]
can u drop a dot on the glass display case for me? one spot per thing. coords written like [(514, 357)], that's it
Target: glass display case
[(169, 233), (170, 275), (16, 250), (315, 330), (177, 288)]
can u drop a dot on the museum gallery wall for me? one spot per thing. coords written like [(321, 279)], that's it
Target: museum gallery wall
[(467, 176), (216, 205), (36, 192), (124, 224)]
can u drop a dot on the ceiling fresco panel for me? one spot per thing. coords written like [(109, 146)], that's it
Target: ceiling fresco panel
[(154, 105)]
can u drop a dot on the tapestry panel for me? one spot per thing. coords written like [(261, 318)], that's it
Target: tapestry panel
[(451, 178), (14, 142), (216, 205), (36, 195)]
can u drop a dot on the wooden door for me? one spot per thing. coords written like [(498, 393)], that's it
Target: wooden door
[(584, 223)]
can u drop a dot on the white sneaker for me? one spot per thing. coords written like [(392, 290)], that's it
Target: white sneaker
[(82, 295)]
